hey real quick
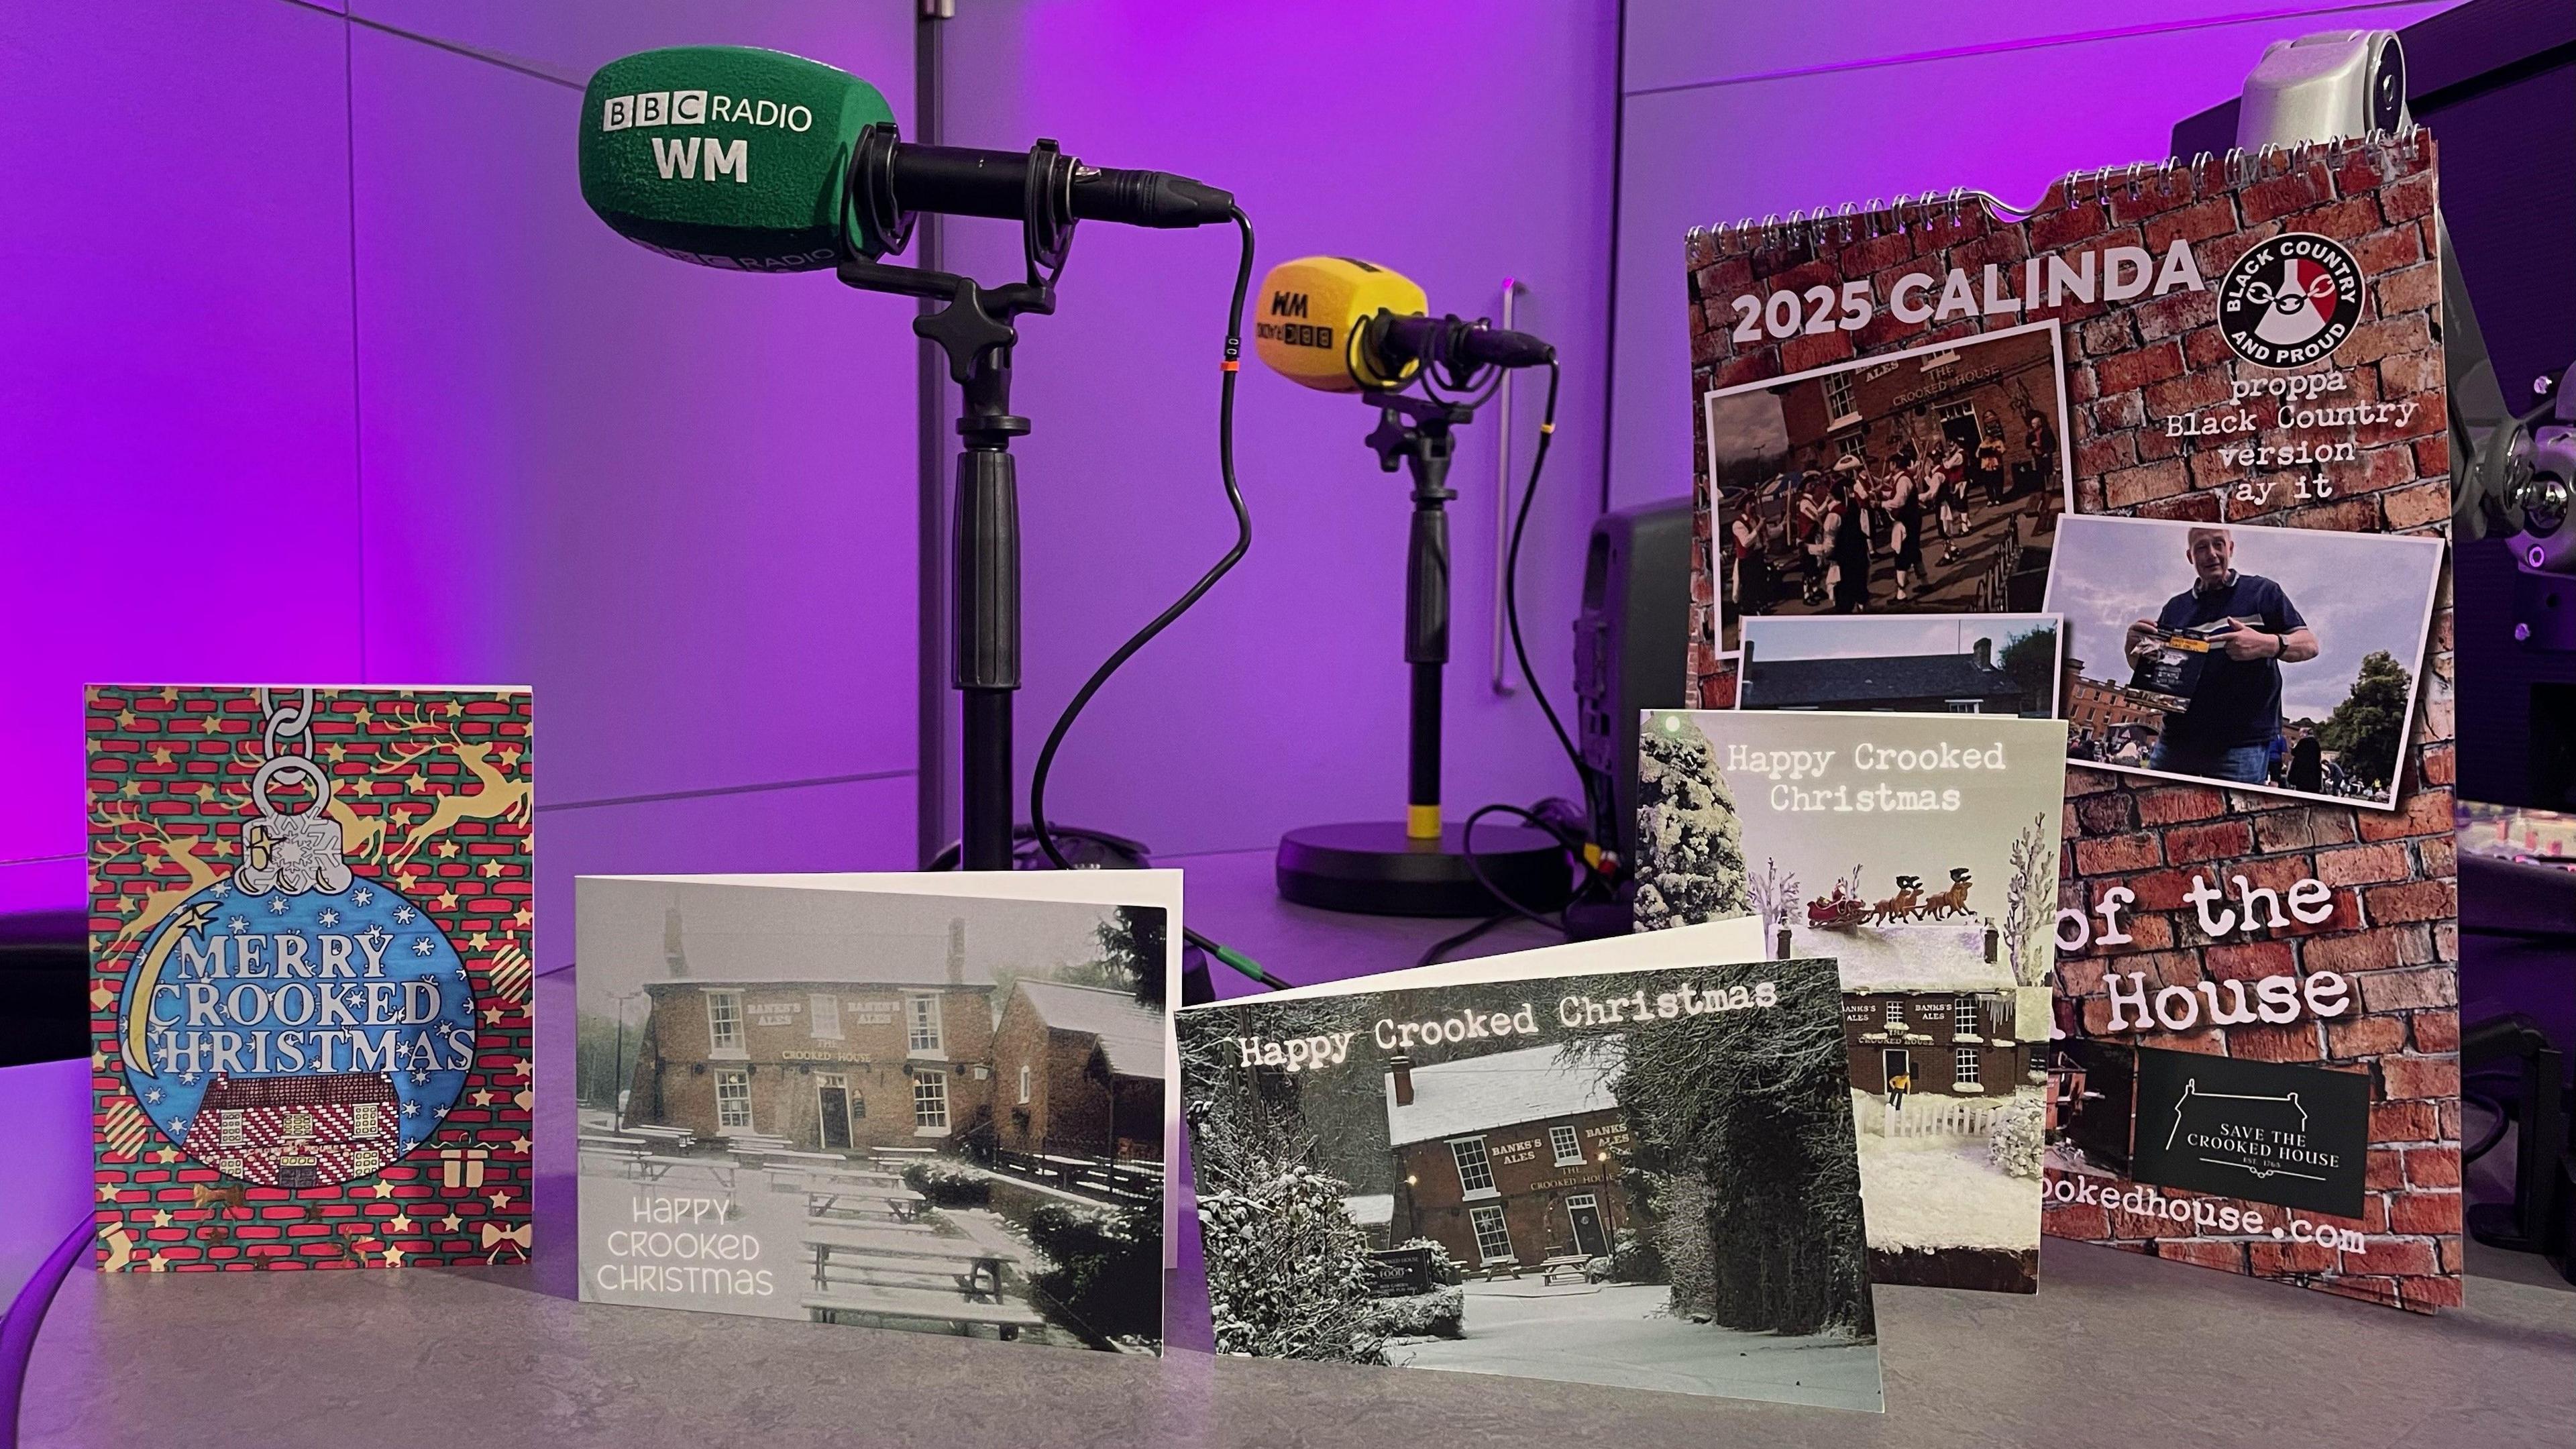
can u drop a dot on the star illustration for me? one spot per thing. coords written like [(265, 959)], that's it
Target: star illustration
[(377, 936), (482, 1099), (363, 896), (491, 1017), (187, 1079), (160, 754), (445, 850), (125, 719), (107, 1192), (153, 1096), (129, 790), (221, 887), (405, 915), (500, 1200), (393, 1256), (327, 919), (412, 1109), (277, 905), (98, 1060), (129, 905), (168, 1154), (519, 1145), (158, 1263), (451, 1222), (419, 1078), (399, 1222), (237, 925), (524, 916), (336, 752), (161, 1219), (492, 869), (479, 941), (364, 715), (384, 1188), (421, 946), (447, 900), (454, 709)]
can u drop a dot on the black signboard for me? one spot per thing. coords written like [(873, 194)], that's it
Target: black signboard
[(1401, 1272), (2264, 1131)]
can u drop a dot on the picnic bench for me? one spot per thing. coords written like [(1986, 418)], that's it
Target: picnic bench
[(1574, 1265), (922, 1305), (846, 1200), (874, 1254), (678, 1139)]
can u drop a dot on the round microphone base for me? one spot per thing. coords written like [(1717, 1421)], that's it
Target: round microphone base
[(1374, 868)]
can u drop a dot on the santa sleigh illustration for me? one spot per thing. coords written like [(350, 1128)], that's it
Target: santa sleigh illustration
[(307, 1131), (1846, 908)]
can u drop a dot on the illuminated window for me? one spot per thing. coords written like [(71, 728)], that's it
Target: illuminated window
[(1493, 1237)]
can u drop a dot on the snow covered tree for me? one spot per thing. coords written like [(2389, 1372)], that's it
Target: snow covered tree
[(1289, 1273), (2015, 1139), (1757, 1101), (2030, 923), (1690, 846)]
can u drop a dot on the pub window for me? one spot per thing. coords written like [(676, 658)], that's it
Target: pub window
[(925, 1023), (1024, 1084), (1567, 1144), (733, 1101), (1838, 398), (930, 1102), (1851, 445), (1493, 1236), (1965, 1070), (1895, 1016), (1963, 1015), (1475, 1169), (826, 1013), (2039, 1056), (1966, 706), (724, 1020)]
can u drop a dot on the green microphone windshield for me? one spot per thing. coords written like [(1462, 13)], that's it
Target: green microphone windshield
[(728, 156)]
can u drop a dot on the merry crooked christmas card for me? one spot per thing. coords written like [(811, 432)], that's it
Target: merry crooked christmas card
[(310, 918)]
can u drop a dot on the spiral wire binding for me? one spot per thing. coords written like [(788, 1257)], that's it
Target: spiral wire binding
[(1930, 210)]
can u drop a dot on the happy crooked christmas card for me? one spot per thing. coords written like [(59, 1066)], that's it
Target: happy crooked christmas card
[(310, 921), (1641, 1178), (1919, 851), (2232, 370)]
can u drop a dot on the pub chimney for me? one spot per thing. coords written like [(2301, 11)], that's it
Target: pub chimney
[(957, 950), (1400, 1070), (675, 957), (1985, 654)]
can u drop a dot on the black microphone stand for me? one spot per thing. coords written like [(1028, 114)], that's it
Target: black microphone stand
[(974, 329), (1422, 866)]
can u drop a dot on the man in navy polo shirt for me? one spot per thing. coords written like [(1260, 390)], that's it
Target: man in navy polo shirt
[(2236, 705)]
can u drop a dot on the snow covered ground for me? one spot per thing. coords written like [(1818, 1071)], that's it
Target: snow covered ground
[(1941, 1192), (1618, 1334)]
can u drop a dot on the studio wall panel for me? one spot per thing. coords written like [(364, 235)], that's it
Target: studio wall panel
[(1676, 42), (872, 38), (2008, 122), (678, 502), (1281, 701), (860, 825), (177, 474)]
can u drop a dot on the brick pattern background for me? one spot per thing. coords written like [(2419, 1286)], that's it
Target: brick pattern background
[(423, 773), (2395, 928)]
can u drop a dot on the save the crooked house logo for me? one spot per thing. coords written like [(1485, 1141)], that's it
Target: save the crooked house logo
[(2290, 300)]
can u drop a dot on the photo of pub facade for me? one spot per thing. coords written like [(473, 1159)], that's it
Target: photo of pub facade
[(1507, 1160)]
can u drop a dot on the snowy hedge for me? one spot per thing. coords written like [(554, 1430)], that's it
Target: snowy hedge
[(1440, 1313), (1289, 1273), (1444, 1269), (946, 1186), (2016, 1140)]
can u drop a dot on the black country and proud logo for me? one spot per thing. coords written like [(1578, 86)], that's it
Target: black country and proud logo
[(2291, 300)]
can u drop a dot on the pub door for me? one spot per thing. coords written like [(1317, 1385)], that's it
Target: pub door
[(1584, 1213), (833, 1092)]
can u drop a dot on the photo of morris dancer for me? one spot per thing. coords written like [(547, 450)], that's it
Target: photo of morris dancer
[(1926, 481)]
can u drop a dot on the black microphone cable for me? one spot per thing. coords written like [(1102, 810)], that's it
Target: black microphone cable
[(1242, 544)]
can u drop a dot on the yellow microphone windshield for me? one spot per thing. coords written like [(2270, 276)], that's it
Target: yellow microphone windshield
[(1308, 329)]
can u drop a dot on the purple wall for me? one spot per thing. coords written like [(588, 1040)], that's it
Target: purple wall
[(1739, 111), (1281, 700), (362, 348)]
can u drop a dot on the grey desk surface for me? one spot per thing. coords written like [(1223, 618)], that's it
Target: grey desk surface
[(2115, 1350)]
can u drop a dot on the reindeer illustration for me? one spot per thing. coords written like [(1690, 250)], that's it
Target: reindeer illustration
[(499, 798), (1902, 905), (224, 1198), (1951, 902)]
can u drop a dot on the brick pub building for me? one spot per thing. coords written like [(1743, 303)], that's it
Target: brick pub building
[(827, 1043), (1508, 1159), (1949, 1043), (1078, 1071), (1966, 395)]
